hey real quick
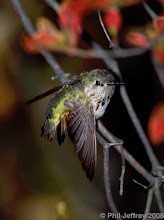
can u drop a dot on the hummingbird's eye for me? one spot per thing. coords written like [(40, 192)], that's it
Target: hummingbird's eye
[(97, 83)]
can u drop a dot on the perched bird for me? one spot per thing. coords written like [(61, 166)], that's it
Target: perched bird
[(74, 107)]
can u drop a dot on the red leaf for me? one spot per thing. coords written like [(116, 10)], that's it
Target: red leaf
[(161, 1), (159, 24), (70, 20), (137, 39), (159, 54), (159, 49), (83, 7), (156, 124), (72, 12), (86, 6), (36, 42), (113, 20), (48, 37)]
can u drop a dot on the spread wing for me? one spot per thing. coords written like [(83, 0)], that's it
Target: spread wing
[(82, 131)]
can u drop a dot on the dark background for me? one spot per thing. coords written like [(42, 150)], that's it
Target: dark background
[(44, 181)]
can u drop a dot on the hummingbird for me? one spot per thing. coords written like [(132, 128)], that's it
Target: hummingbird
[(75, 107)]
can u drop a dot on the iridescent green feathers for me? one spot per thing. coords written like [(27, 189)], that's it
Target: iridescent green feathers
[(81, 127)]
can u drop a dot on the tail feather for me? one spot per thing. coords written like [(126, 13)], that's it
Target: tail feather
[(60, 133), (48, 129)]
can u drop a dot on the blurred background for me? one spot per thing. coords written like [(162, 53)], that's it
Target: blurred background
[(42, 181)]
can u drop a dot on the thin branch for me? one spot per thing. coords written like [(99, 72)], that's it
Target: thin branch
[(107, 180), (131, 160), (53, 4), (106, 174), (148, 203), (23, 16), (61, 75), (109, 61), (152, 14), (158, 197), (140, 131), (111, 44), (122, 173), (96, 54), (159, 69), (140, 184), (161, 168), (30, 30), (128, 52), (150, 178), (154, 181), (77, 52)]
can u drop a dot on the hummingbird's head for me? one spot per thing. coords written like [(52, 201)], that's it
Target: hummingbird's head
[(100, 81), (99, 86)]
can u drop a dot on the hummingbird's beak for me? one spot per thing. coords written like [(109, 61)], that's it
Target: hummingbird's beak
[(115, 83)]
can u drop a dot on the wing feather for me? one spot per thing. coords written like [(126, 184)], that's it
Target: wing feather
[(60, 133), (82, 127)]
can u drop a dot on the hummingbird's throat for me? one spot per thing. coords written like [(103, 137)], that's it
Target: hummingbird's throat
[(100, 98)]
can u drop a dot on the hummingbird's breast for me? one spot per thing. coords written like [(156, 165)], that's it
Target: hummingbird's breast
[(100, 98)]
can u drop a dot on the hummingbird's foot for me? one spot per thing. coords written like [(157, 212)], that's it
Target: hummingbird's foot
[(64, 79)]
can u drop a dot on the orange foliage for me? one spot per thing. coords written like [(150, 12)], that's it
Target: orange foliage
[(159, 49), (84, 7), (137, 39), (156, 124), (159, 24), (48, 37), (113, 20)]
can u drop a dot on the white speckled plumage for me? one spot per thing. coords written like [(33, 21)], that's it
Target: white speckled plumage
[(100, 97)]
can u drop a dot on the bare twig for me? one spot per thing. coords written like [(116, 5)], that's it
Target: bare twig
[(158, 197), (122, 173), (154, 181), (140, 184), (148, 203), (30, 29), (152, 14), (161, 168), (96, 54), (23, 16), (140, 169), (111, 44), (140, 131), (128, 52), (53, 4), (106, 174), (77, 52), (159, 68)]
